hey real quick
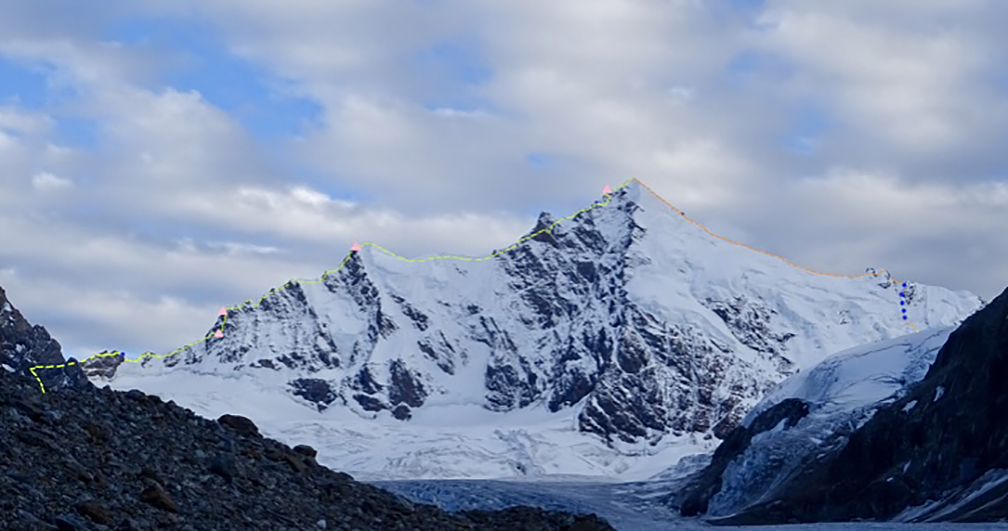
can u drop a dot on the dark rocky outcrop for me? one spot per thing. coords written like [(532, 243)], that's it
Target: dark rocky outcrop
[(95, 459), (103, 365), (405, 387), (23, 346), (937, 444), (315, 390), (708, 482)]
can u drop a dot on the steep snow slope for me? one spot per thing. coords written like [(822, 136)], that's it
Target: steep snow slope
[(624, 331)]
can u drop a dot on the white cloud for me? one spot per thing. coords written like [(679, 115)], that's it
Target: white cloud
[(909, 79), (47, 182), (309, 197), (21, 122)]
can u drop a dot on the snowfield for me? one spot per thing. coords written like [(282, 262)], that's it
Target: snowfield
[(446, 442)]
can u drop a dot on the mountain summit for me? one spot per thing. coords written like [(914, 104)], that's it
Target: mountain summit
[(628, 324)]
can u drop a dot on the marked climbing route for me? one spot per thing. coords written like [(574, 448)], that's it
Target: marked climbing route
[(607, 193)]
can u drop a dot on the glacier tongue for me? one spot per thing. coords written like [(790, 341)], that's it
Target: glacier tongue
[(631, 333), (842, 392)]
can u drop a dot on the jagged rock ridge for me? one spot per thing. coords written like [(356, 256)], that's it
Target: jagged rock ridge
[(23, 346)]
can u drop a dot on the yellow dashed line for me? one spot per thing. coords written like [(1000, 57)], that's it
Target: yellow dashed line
[(495, 254)]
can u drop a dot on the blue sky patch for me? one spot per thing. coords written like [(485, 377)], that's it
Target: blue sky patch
[(810, 123), (450, 73), (811, 120), (751, 64), (540, 160), (249, 93), (22, 84), (76, 132), (457, 62)]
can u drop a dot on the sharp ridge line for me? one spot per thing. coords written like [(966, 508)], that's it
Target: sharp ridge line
[(549, 229)]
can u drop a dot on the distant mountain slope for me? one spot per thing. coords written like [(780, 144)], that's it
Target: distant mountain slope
[(23, 346), (626, 323), (938, 453)]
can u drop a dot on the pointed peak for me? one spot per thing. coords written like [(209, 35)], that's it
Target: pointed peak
[(606, 190), (628, 192), (355, 247)]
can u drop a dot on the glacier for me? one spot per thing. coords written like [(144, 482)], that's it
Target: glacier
[(843, 391)]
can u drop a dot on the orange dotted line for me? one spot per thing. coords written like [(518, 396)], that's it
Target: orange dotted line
[(712, 234)]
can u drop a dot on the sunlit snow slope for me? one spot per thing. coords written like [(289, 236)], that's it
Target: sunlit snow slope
[(608, 344)]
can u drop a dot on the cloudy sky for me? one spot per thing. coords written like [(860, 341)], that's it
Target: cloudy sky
[(159, 159)]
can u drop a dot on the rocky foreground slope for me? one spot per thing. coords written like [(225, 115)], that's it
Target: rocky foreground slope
[(83, 458)]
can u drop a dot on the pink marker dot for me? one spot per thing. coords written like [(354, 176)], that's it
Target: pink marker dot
[(606, 190), (355, 247), (222, 312), (219, 333)]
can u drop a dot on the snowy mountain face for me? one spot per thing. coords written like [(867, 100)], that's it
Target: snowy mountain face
[(627, 328)]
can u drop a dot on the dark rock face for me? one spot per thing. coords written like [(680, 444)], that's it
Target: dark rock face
[(314, 390), (369, 403), (508, 387), (405, 387), (440, 351), (708, 482), (402, 412), (749, 322), (23, 346), (103, 365), (240, 424), (92, 459), (940, 442)]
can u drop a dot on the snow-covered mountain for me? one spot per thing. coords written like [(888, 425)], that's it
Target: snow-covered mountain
[(626, 330)]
